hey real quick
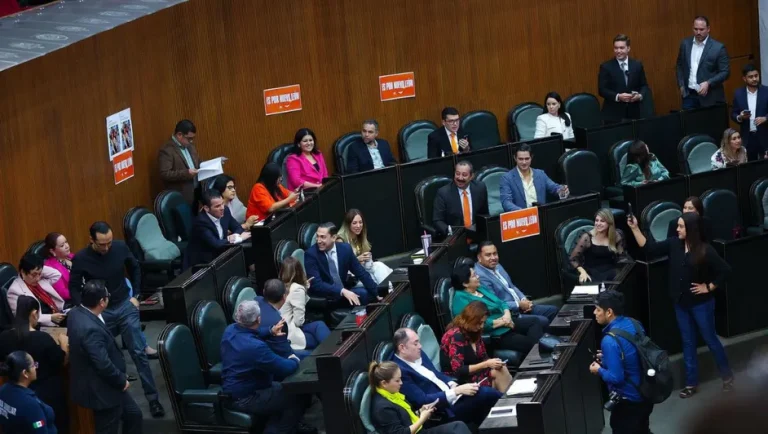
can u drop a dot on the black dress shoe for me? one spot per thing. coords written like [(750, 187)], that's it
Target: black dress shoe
[(303, 428), (131, 378), (156, 409), (153, 356)]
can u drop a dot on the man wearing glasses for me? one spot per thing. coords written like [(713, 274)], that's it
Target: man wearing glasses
[(179, 163), (450, 139)]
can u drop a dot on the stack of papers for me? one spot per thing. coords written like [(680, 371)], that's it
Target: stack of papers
[(522, 387), (211, 168), (585, 290)]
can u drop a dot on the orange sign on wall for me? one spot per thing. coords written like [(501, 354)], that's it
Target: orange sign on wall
[(282, 99), (397, 86), (519, 224), (123, 165)]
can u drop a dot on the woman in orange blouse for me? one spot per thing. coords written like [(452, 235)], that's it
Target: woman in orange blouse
[(268, 194)]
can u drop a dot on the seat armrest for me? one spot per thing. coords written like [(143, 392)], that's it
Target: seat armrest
[(191, 396)]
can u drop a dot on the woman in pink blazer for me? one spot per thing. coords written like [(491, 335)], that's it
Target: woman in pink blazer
[(306, 167), (59, 257), (36, 280)]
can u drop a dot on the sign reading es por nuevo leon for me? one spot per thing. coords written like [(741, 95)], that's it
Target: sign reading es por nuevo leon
[(519, 224)]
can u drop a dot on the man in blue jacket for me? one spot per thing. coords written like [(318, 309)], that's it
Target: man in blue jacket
[(750, 111), (249, 370), (522, 186), (622, 375), (273, 329)]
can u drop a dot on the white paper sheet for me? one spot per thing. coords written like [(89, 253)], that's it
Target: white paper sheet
[(524, 386), (211, 168), (585, 290)]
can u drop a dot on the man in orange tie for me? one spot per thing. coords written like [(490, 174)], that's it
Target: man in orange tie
[(450, 139), (457, 203)]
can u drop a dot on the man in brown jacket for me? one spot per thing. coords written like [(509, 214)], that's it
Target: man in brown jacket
[(179, 163)]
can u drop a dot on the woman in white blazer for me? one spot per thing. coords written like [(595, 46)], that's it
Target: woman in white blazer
[(555, 120), (303, 336), (36, 280)]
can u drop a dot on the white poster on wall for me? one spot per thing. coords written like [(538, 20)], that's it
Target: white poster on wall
[(119, 133)]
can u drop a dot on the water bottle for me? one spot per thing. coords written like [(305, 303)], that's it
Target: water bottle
[(391, 287), (602, 287), (450, 230)]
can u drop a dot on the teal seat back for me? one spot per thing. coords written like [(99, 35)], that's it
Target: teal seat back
[(656, 216), (567, 235), (482, 128), (284, 249), (758, 197), (491, 177), (383, 351), (179, 360), (231, 294), (278, 156), (37, 248), (354, 390), (341, 150), (299, 255), (412, 140), (429, 343), (722, 209), (209, 322), (694, 153), (425, 192), (245, 295), (307, 235), (584, 109), (521, 121), (443, 296), (174, 215), (618, 156), (365, 410)]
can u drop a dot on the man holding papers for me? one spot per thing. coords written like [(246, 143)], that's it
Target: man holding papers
[(179, 163)]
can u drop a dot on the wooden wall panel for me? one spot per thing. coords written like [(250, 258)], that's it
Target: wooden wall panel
[(209, 60)]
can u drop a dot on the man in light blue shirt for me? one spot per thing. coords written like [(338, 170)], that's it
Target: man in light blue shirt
[(493, 276)]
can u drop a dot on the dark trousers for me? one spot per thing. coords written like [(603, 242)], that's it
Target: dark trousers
[(340, 302), (456, 427), (755, 149), (527, 332), (283, 412), (691, 101), (631, 417), (108, 421), (474, 409)]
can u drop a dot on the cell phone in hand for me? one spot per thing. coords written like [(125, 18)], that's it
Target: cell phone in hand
[(630, 212)]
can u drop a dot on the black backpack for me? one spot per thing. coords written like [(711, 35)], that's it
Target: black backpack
[(654, 389)]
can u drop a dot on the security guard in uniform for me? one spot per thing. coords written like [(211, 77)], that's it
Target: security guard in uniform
[(21, 412)]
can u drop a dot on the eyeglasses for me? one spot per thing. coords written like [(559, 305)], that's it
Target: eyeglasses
[(452, 121), (230, 187), (190, 139)]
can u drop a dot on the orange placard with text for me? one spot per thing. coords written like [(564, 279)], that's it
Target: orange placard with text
[(519, 224), (397, 86), (282, 99), (123, 166)]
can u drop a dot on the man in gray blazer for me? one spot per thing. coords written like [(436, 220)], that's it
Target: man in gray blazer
[(493, 276), (702, 67)]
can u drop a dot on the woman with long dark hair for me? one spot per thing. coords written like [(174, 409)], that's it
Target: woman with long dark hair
[(306, 166), (268, 194), (695, 272), (554, 120), (463, 350), (642, 166), (693, 204), (51, 354)]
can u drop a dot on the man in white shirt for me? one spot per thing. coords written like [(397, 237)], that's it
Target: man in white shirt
[(750, 111), (702, 67), (424, 384)]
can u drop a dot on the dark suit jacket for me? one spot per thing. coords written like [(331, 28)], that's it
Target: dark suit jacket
[(270, 316), (316, 264), (359, 159), (439, 143), (95, 361), (447, 208), (512, 192), (419, 390), (204, 242), (388, 418), (761, 109), (714, 67), (174, 170), (610, 82)]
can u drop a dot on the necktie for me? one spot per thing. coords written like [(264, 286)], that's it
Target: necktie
[(467, 212), (454, 144), (334, 270), (624, 70)]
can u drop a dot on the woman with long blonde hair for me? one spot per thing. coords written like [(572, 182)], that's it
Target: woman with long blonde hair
[(599, 250), (731, 151), (354, 232)]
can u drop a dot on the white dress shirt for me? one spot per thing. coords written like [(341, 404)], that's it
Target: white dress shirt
[(528, 188), (373, 149), (217, 223), (469, 197), (97, 316), (450, 394), (752, 104), (546, 124), (696, 50)]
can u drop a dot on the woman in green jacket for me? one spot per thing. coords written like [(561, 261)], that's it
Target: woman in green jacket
[(642, 166), (520, 334)]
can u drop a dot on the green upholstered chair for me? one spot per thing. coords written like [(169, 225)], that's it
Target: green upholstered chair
[(354, 391), (235, 290), (567, 235), (521, 121), (722, 209), (383, 351), (175, 217), (278, 156), (307, 235), (425, 192), (491, 177), (340, 149), (482, 128), (37, 248), (412, 140), (618, 156), (656, 216), (758, 201), (208, 324), (159, 258), (694, 153), (365, 409), (584, 109)]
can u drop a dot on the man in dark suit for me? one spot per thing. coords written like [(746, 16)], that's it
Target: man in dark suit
[(369, 152), (328, 263), (97, 366), (450, 139), (750, 111), (273, 329), (424, 384), (179, 163), (213, 229), (702, 67), (457, 203), (622, 84)]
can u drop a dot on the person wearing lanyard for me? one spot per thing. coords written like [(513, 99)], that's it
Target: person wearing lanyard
[(695, 272), (21, 412)]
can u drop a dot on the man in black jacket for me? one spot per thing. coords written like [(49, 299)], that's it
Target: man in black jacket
[(457, 203), (450, 139), (97, 365), (622, 84), (369, 152)]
